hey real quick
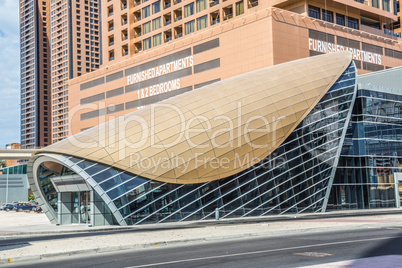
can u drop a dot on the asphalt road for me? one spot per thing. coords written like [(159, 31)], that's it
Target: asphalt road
[(281, 251)]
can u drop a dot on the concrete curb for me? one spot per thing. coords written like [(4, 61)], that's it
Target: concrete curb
[(89, 230), (22, 259)]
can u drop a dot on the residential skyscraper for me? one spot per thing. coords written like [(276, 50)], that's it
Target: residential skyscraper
[(397, 25), (60, 40), (76, 48), (35, 73)]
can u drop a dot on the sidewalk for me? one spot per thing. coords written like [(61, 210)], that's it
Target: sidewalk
[(173, 233)]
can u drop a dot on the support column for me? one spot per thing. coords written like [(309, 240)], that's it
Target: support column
[(397, 177), (59, 208), (92, 220)]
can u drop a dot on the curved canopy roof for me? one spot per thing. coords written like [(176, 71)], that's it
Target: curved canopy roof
[(215, 131)]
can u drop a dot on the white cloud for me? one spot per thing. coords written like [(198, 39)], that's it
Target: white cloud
[(9, 72)]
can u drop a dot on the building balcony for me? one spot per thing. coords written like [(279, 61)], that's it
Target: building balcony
[(213, 3), (252, 3), (228, 16), (392, 33), (213, 22), (384, 33)]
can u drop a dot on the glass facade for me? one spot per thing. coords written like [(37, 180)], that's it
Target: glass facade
[(19, 169), (372, 153)]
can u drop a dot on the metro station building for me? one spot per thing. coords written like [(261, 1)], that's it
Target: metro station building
[(297, 137), (233, 61)]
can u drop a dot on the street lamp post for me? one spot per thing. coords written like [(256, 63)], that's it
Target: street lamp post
[(8, 170)]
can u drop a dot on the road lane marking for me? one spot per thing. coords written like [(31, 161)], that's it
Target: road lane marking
[(313, 254), (263, 251)]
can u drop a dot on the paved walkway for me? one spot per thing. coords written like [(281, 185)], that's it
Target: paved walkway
[(14, 224)]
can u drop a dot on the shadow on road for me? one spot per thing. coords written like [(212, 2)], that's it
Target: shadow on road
[(9, 247), (392, 246)]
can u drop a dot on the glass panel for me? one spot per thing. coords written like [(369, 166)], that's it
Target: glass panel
[(189, 10), (146, 12), (202, 22), (146, 27), (156, 24), (156, 7), (147, 43), (314, 12), (239, 8), (190, 27), (201, 5), (157, 39), (385, 5)]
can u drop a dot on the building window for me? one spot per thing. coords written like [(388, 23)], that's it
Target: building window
[(385, 5), (146, 27), (146, 12), (396, 7), (110, 11), (157, 39), (239, 8), (202, 22), (111, 55), (314, 12), (340, 19), (375, 3), (124, 51), (327, 15), (189, 10), (201, 5), (147, 43), (156, 7), (353, 23), (189, 27), (156, 23), (227, 12)]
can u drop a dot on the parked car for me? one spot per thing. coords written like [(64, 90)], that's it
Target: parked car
[(23, 206), (7, 207)]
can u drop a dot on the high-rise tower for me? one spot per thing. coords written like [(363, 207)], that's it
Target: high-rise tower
[(76, 48), (35, 73)]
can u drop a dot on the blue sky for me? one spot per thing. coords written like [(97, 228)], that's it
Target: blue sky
[(9, 72)]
